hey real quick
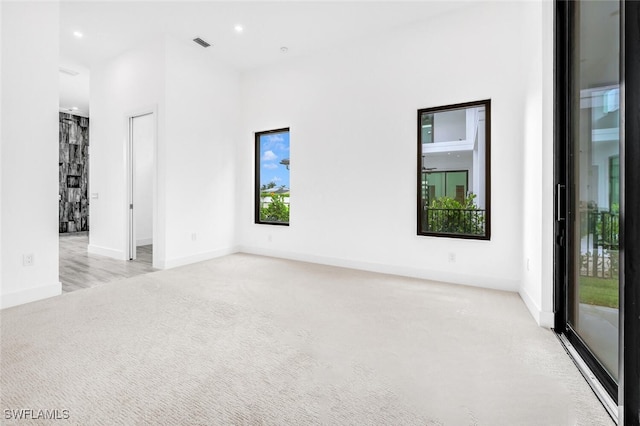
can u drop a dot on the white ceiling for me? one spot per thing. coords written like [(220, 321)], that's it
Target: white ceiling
[(304, 27), (74, 90)]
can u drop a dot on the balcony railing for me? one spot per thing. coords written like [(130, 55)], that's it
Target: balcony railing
[(599, 243), (454, 221)]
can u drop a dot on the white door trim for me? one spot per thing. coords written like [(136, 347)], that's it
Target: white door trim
[(130, 161)]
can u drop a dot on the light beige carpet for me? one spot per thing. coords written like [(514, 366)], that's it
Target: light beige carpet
[(249, 340)]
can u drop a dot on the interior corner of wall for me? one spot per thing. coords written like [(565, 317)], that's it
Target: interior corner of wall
[(532, 306), (160, 264)]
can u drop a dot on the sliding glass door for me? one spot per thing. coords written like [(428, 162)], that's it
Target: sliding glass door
[(597, 196), (595, 133), (588, 191)]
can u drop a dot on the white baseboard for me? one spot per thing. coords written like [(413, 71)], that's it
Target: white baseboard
[(440, 276), (108, 252), (543, 318), (30, 295), (547, 319), (198, 257), (144, 242)]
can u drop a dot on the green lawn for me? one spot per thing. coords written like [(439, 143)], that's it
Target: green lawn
[(599, 291)]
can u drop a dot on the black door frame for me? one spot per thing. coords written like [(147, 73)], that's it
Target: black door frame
[(630, 223), (627, 392)]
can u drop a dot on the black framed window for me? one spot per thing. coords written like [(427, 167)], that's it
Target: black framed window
[(454, 170), (272, 185)]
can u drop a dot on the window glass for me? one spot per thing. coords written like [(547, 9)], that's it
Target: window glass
[(595, 172), (453, 185), (273, 189), (427, 128)]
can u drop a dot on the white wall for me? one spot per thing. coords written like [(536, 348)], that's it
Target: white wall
[(479, 156), (202, 112), (74, 89), (450, 126), (29, 168), (536, 288), (197, 105), (461, 160), (352, 116), (143, 136), (602, 151), (130, 84), (1, 139)]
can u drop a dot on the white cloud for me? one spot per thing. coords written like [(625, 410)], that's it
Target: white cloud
[(270, 166), (275, 179), (274, 138), (269, 156), (272, 142)]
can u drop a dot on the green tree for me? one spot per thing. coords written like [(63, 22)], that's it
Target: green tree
[(448, 215), (276, 211), (268, 186)]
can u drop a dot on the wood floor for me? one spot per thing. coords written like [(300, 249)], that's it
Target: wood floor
[(79, 269)]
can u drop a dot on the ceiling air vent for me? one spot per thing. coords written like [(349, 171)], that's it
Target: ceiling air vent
[(69, 71), (201, 42)]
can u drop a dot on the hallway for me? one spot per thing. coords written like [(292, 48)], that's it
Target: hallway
[(80, 270)]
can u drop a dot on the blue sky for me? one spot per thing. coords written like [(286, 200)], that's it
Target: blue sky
[(274, 147)]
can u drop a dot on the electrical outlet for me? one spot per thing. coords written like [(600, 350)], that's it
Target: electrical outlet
[(194, 237), (528, 264), (27, 259), (452, 257), (269, 238)]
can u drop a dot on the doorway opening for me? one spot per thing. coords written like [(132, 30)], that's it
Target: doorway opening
[(141, 186), (73, 196)]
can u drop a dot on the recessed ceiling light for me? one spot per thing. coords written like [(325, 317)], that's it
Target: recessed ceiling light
[(284, 49), (238, 28), (78, 34), (74, 108)]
